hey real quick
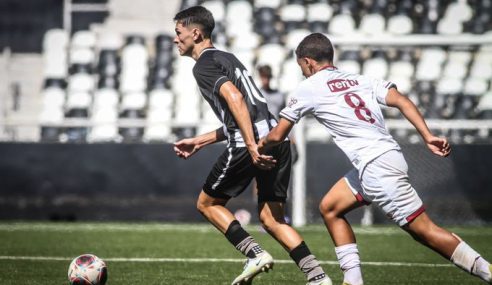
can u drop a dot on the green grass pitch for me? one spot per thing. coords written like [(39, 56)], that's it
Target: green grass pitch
[(151, 254)]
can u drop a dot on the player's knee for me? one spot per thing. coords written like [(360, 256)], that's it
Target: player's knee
[(327, 210), (269, 222), (200, 206)]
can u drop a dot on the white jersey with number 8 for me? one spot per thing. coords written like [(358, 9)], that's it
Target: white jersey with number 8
[(348, 106)]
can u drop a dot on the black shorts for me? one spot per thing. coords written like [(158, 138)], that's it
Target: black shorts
[(234, 170)]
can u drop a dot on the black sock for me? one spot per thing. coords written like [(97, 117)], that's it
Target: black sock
[(241, 240), (307, 262)]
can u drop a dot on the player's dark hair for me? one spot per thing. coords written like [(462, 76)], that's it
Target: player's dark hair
[(197, 15), (265, 71), (316, 46)]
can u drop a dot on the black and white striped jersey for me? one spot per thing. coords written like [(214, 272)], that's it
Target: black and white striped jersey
[(212, 69)]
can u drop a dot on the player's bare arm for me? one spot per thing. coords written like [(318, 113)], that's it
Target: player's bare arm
[(239, 110), (437, 145), (189, 146), (276, 135)]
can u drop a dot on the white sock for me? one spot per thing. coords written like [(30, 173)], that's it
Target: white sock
[(482, 269), (348, 257), (469, 260)]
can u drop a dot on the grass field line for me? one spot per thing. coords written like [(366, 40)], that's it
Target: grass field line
[(150, 227), (216, 260), (201, 228)]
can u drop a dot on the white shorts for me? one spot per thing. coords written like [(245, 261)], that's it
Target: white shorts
[(384, 181)]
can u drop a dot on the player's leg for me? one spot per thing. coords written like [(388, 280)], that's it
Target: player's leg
[(272, 194), (385, 181), (335, 204), (228, 178), (449, 246), (273, 221)]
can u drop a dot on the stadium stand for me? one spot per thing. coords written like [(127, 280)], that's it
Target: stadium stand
[(121, 80)]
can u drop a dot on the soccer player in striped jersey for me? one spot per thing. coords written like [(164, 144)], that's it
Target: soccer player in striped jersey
[(227, 86), (348, 106)]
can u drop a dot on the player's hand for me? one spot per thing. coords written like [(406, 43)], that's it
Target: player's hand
[(262, 161), (439, 146), (186, 148)]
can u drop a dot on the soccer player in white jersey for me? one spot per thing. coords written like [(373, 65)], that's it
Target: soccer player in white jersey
[(348, 106)]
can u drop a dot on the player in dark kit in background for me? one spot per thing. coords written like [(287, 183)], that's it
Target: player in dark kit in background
[(237, 102)]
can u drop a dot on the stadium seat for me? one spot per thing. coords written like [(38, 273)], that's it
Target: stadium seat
[(295, 37), (342, 25), (429, 66), (372, 24), (133, 101), (318, 16), (449, 85), (376, 67), (53, 97), (291, 76), (217, 9), (83, 40), (475, 86), (274, 4), (485, 105), (108, 40), (81, 56), (55, 64), (78, 103), (157, 132), (55, 40), (105, 98), (82, 82), (293, 17), (273, 55), (104, 122)]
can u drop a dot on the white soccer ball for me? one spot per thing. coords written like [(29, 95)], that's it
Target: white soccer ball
[(87, 269)]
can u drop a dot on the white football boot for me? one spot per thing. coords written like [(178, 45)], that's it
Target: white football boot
[(254, 266), (324, 281)]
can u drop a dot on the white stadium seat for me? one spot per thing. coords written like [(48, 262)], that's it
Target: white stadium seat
[(448, 85), (78, 100), (475, 86), (133, 101), (109, 40), (268, 3), (83, 40), (81, 82), (106, 98), (161, 99), (372, 24), (216, 8), (55, 39), (53, 97), (321, 12), (157, 133), (342, 25), (399, 25), (82, 56), (51, 116), (376, 68), (295, 37), (351, 66), (293, 12), (55, 64)]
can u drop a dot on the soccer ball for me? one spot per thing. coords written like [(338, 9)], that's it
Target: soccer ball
[(87, 269)]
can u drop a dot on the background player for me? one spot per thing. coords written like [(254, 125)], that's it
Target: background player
[(237, 102), (348, 106)]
